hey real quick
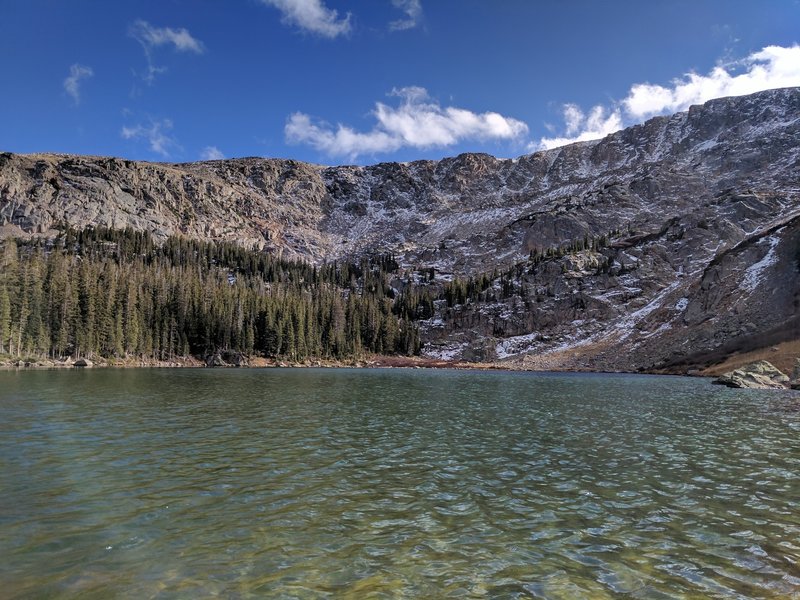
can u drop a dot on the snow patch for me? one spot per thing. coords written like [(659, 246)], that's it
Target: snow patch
[(754, 273), (625, 327), (706, 145), (524, 344), (515, 345), (446, 352)]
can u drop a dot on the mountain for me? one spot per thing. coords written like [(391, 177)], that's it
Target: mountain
[(668, 244)]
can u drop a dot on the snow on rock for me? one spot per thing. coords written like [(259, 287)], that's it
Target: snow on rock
[(753, 274), (515, 345), (626, 325), (448, 352)]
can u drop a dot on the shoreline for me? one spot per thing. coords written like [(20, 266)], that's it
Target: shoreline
[(372, 362), (783, 355), (379, 362)]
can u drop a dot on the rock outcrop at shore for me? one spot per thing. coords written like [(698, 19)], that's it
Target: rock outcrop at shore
[(758, 375), (701, 212), (794, 380), (227, 358)]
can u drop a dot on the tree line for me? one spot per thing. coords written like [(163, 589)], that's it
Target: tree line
[(118, 293)]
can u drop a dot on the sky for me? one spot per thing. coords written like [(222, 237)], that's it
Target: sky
[(366, 81)]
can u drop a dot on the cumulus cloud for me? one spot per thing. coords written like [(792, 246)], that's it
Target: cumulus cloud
[(772, 67), (413, 10), (155, 133), (312, 16), (150, 38), (72, 84), (769, 68), (211, 153), (417, 122)]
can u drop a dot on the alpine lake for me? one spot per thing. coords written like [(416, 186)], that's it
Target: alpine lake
[(395, 483)]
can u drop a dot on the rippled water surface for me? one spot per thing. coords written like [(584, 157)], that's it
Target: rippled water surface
[(389, 483)]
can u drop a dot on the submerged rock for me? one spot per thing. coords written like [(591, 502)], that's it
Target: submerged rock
[(758, 375)]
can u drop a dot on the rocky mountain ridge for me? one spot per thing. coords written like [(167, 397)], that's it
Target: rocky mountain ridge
[(699, 213)]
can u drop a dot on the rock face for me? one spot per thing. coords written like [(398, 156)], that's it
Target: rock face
[(701, 210), (226, 358), (83, 362), (757, 375), (215, 360)]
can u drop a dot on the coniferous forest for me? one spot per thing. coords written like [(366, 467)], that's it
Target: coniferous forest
[(119, 294)]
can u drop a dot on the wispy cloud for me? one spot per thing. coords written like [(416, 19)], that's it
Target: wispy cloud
[(72, 84), (312, 16), (155, 133), (417, 122), (769, 68), (211, 153), (581, 127), (150, 38), (413, 10)]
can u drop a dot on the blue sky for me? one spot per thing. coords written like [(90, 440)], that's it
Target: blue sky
[(335, 81)]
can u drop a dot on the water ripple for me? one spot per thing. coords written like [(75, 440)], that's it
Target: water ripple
[(319, 483)]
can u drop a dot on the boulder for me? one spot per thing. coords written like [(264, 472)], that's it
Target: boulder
[(758, 375), (83, 362), (235, 359), (227, 358), (215, 360), (794, 382)]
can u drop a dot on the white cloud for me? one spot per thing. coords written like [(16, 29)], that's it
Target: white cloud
[(72, 84), (418, 122), (413, 10), (769, 68), (211, 153), (313, 16), (150, 37), (772, 67), (155, 133), (581, 127)]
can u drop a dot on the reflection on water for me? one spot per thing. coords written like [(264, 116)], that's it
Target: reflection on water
[(312, 483)]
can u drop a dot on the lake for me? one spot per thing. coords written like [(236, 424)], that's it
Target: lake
[(310, 483)]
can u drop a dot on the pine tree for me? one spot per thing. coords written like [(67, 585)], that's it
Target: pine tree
[(5, 318)]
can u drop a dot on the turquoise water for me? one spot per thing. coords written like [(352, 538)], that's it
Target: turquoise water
[(395, 483)]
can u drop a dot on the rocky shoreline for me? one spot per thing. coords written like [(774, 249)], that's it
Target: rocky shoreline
[(218, 361), (760, 374)]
